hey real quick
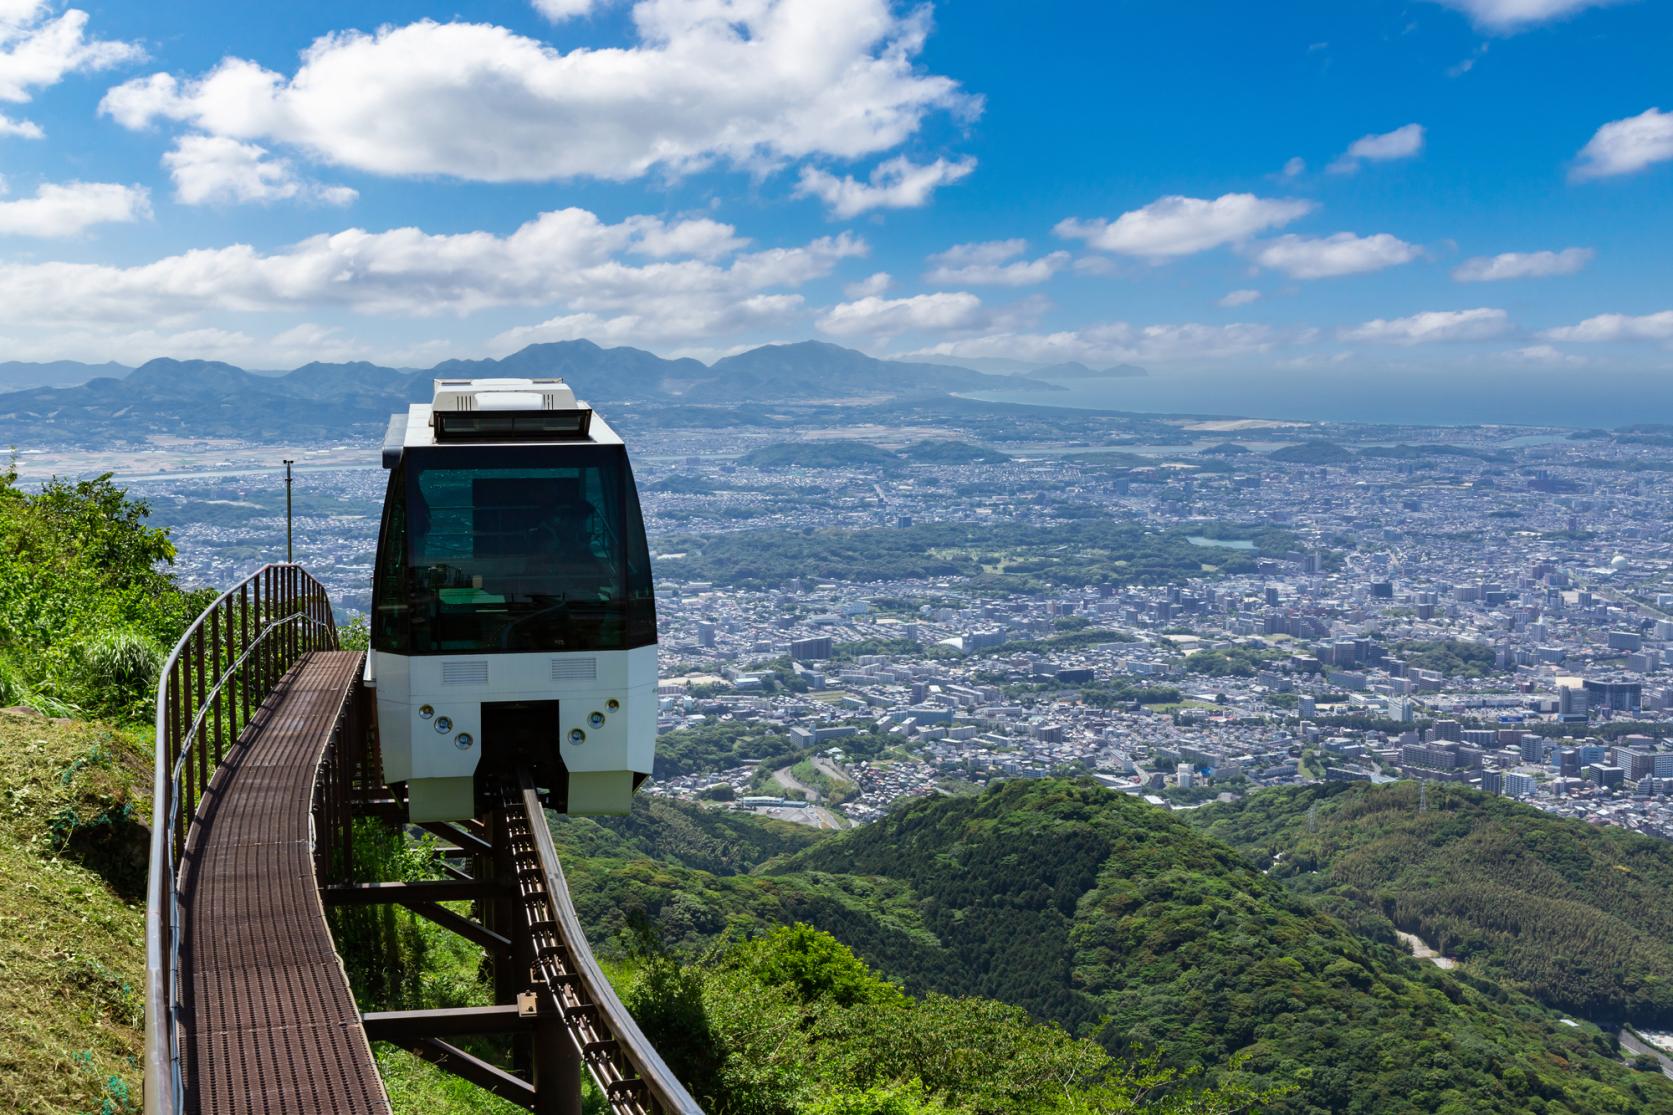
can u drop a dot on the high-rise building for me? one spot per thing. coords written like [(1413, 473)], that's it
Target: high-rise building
[(808, 650), (1516, 785), (705, 633)]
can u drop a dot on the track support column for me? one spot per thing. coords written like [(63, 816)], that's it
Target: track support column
[(557, 1066)]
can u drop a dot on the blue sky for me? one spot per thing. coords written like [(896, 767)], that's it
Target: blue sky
[(1463, 185)]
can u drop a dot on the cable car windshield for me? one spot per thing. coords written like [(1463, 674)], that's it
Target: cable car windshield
[(513, 548)]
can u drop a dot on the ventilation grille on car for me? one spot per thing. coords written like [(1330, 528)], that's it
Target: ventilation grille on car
[(574, 669), (464, 673)]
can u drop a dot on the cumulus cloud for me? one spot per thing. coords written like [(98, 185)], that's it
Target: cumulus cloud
[(1239, 298), (896, 183), (669, 322), (993, 263), (1617, 327), (881, 317), (1522, 265), (699, 238), (1436, 325), (22, 129), (1401, 143), (871, 285), (568, 258), (1625, 146), (215, 169), (1302, 257), (39, 49), (71, 208), (1548, 355), (1509, 16), (751, 84), (1295, 167), (1179, 226), (1118, 343), (560, 10)]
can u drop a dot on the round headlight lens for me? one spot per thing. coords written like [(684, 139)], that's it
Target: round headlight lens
[(425, 712), (576, 735), (596, 720), (444, 725), (612, 704), (463, 741)]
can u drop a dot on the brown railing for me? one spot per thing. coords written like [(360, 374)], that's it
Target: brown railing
[(218, 675)]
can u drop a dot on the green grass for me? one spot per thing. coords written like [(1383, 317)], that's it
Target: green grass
[(72, 917)]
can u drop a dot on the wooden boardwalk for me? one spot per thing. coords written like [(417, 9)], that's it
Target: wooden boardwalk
[(268, 1025)]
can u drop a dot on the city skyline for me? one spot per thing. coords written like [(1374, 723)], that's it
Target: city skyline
[(1469, 186)]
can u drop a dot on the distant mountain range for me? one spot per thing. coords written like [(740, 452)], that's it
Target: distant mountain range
[(318, 402), (17, 375)]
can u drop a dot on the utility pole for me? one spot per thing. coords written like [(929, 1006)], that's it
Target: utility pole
[(289, 554)]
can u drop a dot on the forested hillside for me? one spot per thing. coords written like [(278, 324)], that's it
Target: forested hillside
[(86, 608), (1111, 917), (1578, 916)]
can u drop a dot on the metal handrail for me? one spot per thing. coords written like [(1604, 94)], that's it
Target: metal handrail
[(666, 1093), (292, 615)]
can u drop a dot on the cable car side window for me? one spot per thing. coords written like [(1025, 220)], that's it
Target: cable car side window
[(389, 588), (522, 548)]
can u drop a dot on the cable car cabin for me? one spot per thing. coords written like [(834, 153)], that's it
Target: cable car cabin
[(512, 614)]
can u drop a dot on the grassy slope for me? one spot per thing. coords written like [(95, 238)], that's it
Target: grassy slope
[(72, 916), (1578, 916)]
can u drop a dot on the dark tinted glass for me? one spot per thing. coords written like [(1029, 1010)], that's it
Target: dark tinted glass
[(513, 548)]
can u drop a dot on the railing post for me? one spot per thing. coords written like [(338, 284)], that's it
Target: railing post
[(215, 669), (244, 670), (199, 744)]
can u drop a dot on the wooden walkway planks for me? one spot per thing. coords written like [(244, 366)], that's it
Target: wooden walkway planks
[(268, 1023)]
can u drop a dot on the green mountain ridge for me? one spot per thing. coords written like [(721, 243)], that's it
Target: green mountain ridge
[(1574, 915), (1114, 918)]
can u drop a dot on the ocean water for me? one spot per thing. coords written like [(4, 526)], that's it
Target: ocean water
[(1582, 399)]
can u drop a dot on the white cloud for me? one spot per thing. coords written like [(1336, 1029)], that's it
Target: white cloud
[(1625, 146), (896, 183), (1548, 355), (881, 317), (72, 208), (37, 51), (22, 129), (566, 258), (215, 169), (1436, 325), (1401, 143), (870, 286), (993, 263), (699, 238), (559, 10), (1509, 16), (1295, 167), (1177, 226), (1239, 298), (1522, 265), (1617, 327), (1120, 343), (1302, 257), (666, 323), (752, 83)]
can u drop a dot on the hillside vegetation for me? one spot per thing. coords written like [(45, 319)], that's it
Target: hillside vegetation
[(87, 606), (1577, 916), (72, 917), (1110, 917)]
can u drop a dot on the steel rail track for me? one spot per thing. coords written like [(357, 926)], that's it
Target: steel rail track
[(621, 1060)]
